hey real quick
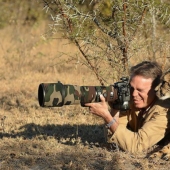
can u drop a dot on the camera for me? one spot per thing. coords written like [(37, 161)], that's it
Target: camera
[(58, 94)]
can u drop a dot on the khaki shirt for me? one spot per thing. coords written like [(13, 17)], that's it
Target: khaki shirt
[(137, 133)]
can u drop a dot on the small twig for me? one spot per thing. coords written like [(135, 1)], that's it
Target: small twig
[(3, 123), (68, 23)]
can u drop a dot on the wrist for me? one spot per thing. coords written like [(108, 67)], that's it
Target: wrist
[(108, 117), (111, 123)]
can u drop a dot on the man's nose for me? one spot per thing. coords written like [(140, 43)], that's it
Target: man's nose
[(134, 93)]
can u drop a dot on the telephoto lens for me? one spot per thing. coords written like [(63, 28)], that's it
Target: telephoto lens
[(57, 94)]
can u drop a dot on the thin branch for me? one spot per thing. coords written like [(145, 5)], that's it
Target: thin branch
[(67, 22), (104, 30), (92, 67), (125, 48), (140, 21)]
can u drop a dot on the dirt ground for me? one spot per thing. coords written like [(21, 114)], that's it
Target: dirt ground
[(36, 138)]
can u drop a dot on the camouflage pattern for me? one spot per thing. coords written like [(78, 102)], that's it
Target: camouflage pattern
[(57, 94), (91, 94)]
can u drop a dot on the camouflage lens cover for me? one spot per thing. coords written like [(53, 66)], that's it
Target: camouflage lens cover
[(57, 94)]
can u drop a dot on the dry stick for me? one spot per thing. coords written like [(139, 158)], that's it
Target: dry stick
[(92, 67), (69, 28), (165, 60), (113, 35), (125, 59), (78, 45), (125, 48), (109, 33), (140, 21)]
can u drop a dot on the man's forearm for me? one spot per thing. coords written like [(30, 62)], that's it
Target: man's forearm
[(112, 120)]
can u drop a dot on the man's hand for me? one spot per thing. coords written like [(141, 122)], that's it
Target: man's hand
[(101, 109)]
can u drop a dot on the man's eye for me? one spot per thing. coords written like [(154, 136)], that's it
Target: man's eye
[(140, 90)]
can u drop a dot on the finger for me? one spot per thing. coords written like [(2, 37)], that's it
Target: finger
[(102, 98), (88, 104)]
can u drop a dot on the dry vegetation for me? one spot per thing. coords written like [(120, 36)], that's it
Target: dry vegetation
[(38, 138)]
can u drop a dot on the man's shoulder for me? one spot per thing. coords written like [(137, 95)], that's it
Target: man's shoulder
[(164, 104), (161, 106), (159, 111)]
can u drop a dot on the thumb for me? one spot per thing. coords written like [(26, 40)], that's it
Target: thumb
[(102, 98)]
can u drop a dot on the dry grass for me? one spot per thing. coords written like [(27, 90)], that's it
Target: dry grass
[(34, 138)]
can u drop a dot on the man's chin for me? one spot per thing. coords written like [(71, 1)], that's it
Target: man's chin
[(138, 106)]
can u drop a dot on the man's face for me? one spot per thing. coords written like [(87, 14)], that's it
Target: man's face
[(141, 91)]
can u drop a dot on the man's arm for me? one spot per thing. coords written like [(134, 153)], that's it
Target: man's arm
[(101, 109), (154, 129)]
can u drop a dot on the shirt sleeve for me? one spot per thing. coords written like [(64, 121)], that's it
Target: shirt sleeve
[(153, 130)]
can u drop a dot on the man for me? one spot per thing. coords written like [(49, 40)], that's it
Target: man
[(147, 122)]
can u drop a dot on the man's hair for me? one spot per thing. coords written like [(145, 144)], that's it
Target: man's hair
[(148, 69)]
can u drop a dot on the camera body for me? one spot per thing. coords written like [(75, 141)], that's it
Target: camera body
[(123, 94), (57, 94)]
